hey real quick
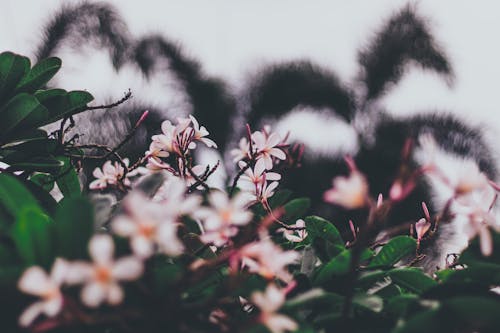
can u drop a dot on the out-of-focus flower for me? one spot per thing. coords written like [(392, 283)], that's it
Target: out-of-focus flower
[(297, 235), (172, 196), (421, 227), (350, 192), (35, 281), (147, 226), (110, 174), (269, 302), (268, 259), (221, 219), (242, 152), (267, 148), (101, 276)]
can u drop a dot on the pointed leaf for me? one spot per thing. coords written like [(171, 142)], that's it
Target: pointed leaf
[(13, 67), (39, 75), (395, 250)]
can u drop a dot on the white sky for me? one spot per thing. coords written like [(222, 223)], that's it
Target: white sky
[(234, 38)]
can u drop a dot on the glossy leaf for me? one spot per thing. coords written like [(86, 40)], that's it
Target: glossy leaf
[(395, 250), (39, 75)]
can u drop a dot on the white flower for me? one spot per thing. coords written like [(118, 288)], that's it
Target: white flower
[(200, 133), (172, 196), (266, 148), (350, 192), (147, 226), (224, 211), (295, 236), (242, 152), (257, 175), (101, 276), (268, 259), (110, 174), (269, 303), (36, 282), (220, 221)]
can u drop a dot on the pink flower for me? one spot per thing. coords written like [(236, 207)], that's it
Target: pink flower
[(295, 236), (225, 214), (101, 276), (268, 260), (35, 281), (421, 227), (257, 175), (266, 148), (242, 152), (200, 133), (110, 174), (350, 192), (148, 227), (269, 302)]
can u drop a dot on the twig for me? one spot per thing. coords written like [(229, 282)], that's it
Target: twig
[(127, 96)]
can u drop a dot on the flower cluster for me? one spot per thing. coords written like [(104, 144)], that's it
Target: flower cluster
[(99, 277)]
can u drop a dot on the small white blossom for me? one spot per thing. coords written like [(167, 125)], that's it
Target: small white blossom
[(35, 281), (268, 259), (221, 219), (297, 235), (242, 152), (267, 148), (148, 227), (110, 174), (350, 192), (269, 302), (200, 133), (101, 276)]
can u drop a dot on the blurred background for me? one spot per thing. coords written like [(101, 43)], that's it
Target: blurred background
[(232, 39)]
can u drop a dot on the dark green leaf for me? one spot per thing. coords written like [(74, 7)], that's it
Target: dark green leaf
[(396, 249), (13, 67), (21, 108), (296, 208), (43, 180), (412, 279), (33, 236), (339, 265), (67, 179), (14, 196), (324, 237), (74, 227), (39, 75)]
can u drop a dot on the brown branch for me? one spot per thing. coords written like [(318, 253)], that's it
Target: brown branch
[(127, 96)]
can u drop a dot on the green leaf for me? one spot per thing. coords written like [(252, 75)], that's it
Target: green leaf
[(40, 164), (43, 180), (13, 67), (67, 179), (296, 208), (33, 236), (395, 250), (325, 238), (412, 279), (61, 104), (14, 196), (339, 265), (22, 136), (21, 108), (371, 302), (399, 305), (74, 227), (39, 75)]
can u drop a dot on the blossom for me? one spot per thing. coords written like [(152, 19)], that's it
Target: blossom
[(421, 227), (147, 226), (35, 281), (221, 219), (200, 133), (110, 174), (297, 235), (101, 276), (269, 303), (267, 259), (257, 175), (350, 192), (266, 148), (172, 196), (242, 152)]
